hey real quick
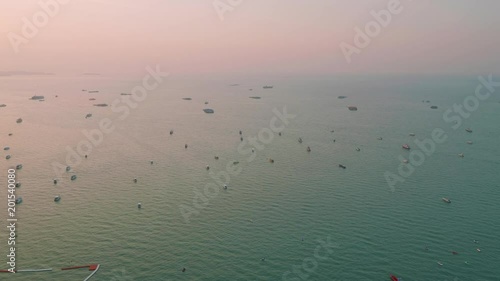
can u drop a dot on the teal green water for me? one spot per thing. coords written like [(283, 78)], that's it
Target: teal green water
[(275, 211)]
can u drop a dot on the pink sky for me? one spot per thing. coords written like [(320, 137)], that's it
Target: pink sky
[(257, 36)]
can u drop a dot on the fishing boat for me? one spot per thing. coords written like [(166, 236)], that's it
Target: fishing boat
[(446, 200), (405, 146), (342, 166), (19, 167), (7, 157), (19, 200), (73, 177), (19, 120), (394, 278), (57, 198), (468, 130), (208, 110), (352, 108), (268, 87)]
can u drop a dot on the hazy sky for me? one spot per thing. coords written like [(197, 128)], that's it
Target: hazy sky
[(257, 36)]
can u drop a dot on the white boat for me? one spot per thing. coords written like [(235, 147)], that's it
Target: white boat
[(468, 130), (461, 155), (469, 142), (405, 146), (446, 200)]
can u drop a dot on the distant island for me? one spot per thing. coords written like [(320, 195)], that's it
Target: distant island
[(23, 73)]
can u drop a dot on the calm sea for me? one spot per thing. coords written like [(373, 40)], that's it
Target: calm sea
[(269, 220)]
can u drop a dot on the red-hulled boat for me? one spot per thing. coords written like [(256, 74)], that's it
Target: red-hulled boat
[(394, 278)]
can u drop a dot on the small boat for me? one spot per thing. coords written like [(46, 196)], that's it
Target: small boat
[(469, 142), (186, 146), (206, 102), (412, 134), (268, 87), (440, 263), (91, 99), (446, 200), (454, 253), (405, 146), (208, 110), (308, 149), (342, 166), (7, 157), (357, 149), (171, 132), (18, 184), (236, 162), (434, 107), (73, 177), (379, 138), (394, 278), (135, 180), (151, 162), (461, 155), (55, 181), (187, 98), (88, 115), (216, 157), (6, 148), (68, 168), (19, 120), (341, 97), (352, 108), (208, 167), (225, 186), (19, 200), (101, 104), (57, 198), (300, 140), (241, 132), (478, 250), (93, 92), (271, 160), (468, 130), (139, 205), (19, 166), (405, 161)]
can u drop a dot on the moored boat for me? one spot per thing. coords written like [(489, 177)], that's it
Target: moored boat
[(446, 200)]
